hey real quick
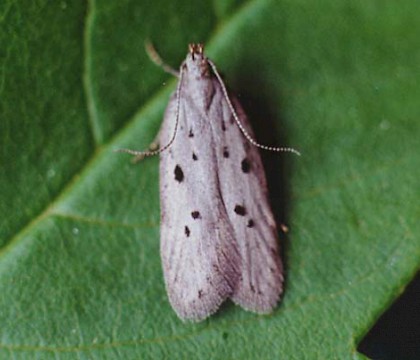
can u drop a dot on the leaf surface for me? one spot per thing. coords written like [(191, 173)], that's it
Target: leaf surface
[(80, 273)]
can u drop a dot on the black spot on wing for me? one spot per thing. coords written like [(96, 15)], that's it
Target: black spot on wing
[(196, 215), (200, 294), (246, 166), (190, 133), (187, 231), (194, 157), (179, 174), (225, 152), (223, 126), (240, 210), (251, 223)]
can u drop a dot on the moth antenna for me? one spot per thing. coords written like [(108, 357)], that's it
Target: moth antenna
[(155, 57), (141, 154), (235, 116)]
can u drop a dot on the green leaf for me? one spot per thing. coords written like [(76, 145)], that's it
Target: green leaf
[(80, 273)]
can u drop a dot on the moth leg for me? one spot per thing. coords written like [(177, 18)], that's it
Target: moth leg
[(154, 145), (155, 57)]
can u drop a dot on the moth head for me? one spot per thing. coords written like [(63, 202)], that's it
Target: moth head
[(196, 62)]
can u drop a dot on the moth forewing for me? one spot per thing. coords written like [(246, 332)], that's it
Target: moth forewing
[(200, 256)]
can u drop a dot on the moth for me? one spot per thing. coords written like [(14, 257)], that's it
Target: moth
[(218, 236)]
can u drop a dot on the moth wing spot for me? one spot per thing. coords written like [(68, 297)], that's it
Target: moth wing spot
[(187, 231), (225, 152), (245, 166), (196, 215), (240, 210), (251, 223), (194, 157), (179, 174)]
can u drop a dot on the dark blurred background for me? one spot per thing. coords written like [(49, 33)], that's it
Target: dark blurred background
[(396, 335)]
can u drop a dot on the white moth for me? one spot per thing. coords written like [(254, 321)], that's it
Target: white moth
[(218, 235)]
